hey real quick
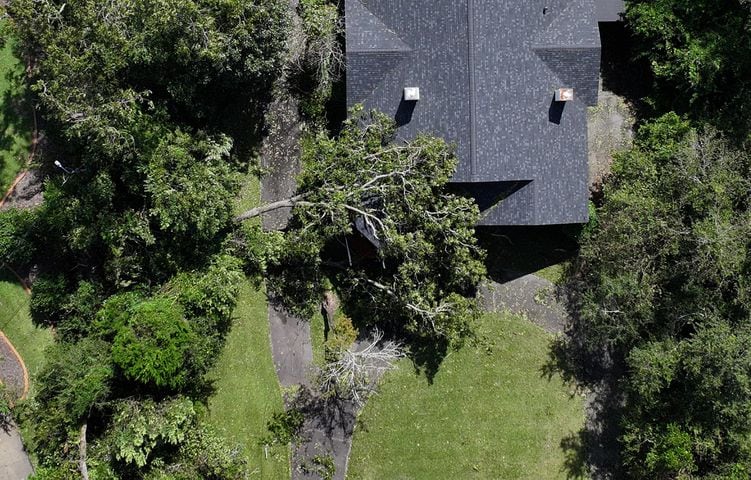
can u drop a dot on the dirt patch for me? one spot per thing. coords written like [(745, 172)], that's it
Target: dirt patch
[(610, 127), (528, 295)]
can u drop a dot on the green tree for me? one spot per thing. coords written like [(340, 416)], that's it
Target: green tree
[(661, 293), (139, 101), (169, 436), (74, 384), (700, 55)]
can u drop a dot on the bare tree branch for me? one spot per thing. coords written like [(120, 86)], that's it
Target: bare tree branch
[(355, 375), (286, 203)]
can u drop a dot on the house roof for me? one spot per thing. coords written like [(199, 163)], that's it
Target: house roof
[(487, 71), (610, 10)]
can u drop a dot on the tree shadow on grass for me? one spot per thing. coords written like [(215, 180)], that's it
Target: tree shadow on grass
[(593, 452)]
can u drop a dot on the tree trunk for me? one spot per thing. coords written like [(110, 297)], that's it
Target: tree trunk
[(82, 454)]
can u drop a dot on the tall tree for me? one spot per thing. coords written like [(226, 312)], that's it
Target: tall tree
[(139, 101), (700, 55)]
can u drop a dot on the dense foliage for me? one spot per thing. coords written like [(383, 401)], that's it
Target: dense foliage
[(664, 286), (661, 291), (700, 54), (321, 59), (140, 102)]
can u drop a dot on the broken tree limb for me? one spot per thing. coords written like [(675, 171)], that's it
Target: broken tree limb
[(269, 207)]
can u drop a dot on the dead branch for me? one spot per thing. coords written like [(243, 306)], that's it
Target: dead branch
[(355, 375)]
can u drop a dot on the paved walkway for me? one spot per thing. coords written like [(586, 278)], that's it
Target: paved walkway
[(13, 372), (14, 463), (291, 347), (328, 424)]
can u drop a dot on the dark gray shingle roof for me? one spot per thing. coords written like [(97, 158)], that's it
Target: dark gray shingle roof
[(487, 71), (610, 10)]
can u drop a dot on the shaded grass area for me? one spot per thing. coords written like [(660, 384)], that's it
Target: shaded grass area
[(247, 388), (317, 338), (15, 322), (489, 413), (15, 127)]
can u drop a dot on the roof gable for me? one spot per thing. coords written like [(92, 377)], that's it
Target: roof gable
[(373, 50)]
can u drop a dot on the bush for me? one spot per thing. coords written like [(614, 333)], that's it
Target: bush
[(341, 337), (208, 297), (671, 454), (74, 383), (153, 347), (47, 297), (284, 428), (16, 230)]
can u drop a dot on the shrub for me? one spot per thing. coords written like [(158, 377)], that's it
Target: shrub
[(284, 427), (16, 247), (341, 337), (47, 297), (153, 346)]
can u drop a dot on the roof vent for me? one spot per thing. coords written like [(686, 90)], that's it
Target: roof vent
[(411, 94), (564, 94)]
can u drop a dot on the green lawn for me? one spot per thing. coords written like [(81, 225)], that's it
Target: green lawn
[(247, 388), (15, 131), (490, 414), (15, 323)]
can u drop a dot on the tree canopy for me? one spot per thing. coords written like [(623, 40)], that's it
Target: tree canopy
[(662, 287), (140, 103), (700, 55)]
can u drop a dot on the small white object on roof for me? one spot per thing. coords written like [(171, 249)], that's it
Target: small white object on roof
[(564, 94), (411, 94)]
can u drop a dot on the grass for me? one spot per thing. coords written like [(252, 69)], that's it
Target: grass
[(247, 388), (15, 323), (490, 413), (15, 128), (317, 338)]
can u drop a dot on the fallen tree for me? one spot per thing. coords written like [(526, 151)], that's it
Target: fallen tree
[(377, 216)]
